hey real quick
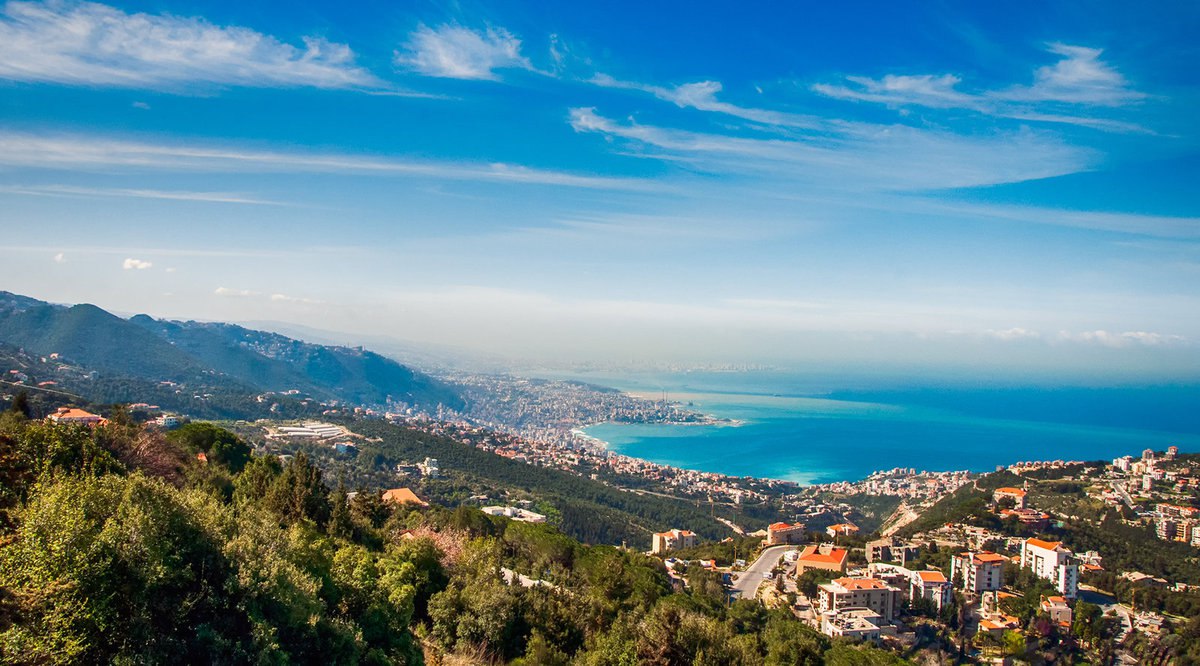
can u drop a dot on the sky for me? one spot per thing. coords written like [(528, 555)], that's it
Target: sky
[(991, 186)]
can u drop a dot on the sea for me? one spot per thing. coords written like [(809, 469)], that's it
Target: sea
[(810, 430)]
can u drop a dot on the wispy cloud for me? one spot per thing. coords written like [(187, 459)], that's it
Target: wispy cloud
[(228, 292), (1080, 77), (456, 52), (96, 45), (1122, 339), (1079, 80), (60, 258), (856, 156), (284, 298), (131, 264), (72, 191), (81, 152), (702, 95)]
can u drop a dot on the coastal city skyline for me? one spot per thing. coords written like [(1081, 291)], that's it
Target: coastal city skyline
[(960, 187)]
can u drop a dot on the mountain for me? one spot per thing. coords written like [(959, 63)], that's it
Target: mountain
[(212, 355)]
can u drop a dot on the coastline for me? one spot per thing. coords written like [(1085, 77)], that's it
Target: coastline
[(825, 442)]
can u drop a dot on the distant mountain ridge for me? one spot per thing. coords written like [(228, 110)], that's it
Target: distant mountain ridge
[(187, 351)]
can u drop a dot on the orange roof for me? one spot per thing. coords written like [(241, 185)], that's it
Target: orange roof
[(844, 527), (932, 576), (1056, 600), (812, 554), (861, 583), (1011, 491), (783, 526), (1048, 545), (988, 557), (402, 496)]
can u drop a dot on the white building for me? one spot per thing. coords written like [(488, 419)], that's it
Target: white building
[(858, 623), (664, 541), (981, 571), (1052, 561), (523, 515), (429, 468), (931, 586), (870, 593), (785, 533)]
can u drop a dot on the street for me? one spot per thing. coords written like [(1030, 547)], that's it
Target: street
[(746, 585)]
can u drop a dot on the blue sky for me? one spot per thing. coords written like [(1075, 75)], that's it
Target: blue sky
[(994, 186)]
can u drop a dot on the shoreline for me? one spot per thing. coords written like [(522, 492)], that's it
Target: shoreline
[(1015, 461)]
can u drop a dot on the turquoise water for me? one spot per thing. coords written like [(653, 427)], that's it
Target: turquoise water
[(816, 440)]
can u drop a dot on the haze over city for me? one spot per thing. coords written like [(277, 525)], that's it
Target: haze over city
[(953, 185)]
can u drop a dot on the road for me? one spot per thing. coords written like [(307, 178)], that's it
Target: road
[(746, 585), (1107, 603)]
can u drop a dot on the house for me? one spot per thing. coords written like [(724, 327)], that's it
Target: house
[(672, 540), (998, 623), (1031, 518), (842, 529), (516, 513), (824, 556), (74, 415), (785, 533), (932, 586), (1058, 609), (1052, 561), (980, 571), (1017, 496), (846, 593), (168, 422), (858, 623), (890, 550), (403, 496)]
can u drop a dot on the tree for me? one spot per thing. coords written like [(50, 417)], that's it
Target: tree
[(340, 523), (217, 444), (298, 493), (20, 405)]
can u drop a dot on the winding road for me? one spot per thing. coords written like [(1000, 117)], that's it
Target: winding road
[(746, 585)]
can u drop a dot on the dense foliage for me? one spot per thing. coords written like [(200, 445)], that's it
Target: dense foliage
[(119, 545)]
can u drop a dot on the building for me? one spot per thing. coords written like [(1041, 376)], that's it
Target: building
[(858, 623), (1123, 463), (824, 556), (74, 415), (429, 468), (978, 572), (1172, 452), (931, 586), (1058, 609), (1052, 561), (842, 529), (998, 623), (870, 593), (672, 540), (891, 550), (403, 496), (515, 513), (785, 533), (1017, 495), (167, 421)]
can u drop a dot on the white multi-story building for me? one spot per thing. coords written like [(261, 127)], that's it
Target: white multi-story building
[(981, 571), (1054, 562), (871, 593), (932, 586), (664, 541)]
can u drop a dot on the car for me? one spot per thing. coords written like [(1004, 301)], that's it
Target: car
[(767, 575)]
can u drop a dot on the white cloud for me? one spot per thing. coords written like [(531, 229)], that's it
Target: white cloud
[(73, 191), (136, 264), (1012, 334), (1080, 77), (702, 95), (1125, 339), (97, 45), (234, 293), (75, 152), (141, 105), (859, 157), (284, 298), (925, 89), (60, 258), (455, 52)]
